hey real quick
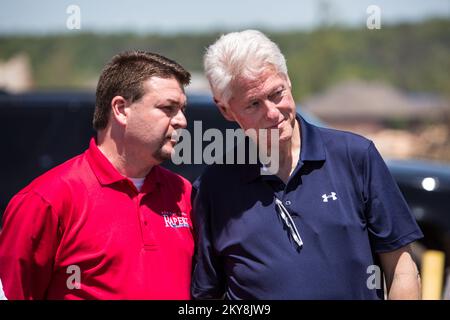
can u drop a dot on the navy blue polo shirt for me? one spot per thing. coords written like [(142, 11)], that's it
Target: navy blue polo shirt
[(344, 203)]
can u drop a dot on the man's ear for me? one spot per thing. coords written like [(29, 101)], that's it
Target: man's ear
[(119, 109), (224, 110)]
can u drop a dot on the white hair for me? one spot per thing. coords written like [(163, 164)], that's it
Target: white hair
[(244, 54)]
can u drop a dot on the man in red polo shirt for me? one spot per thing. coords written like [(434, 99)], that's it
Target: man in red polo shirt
[(109, 223)]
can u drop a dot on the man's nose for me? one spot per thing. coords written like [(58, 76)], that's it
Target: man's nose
[(272, 112), (179, 120)]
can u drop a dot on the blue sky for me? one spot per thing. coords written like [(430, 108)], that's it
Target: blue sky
[(22, 16)]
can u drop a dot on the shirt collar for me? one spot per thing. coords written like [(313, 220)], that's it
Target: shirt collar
[(312, 145), (107, 174), (153, 179), (312, 149)]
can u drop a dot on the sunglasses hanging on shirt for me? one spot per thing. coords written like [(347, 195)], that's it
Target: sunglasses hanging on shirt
[(287, 219)]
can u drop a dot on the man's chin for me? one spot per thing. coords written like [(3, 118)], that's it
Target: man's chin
[(163, 154)]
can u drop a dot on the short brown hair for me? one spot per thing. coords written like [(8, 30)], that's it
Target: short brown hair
[(124, 76)]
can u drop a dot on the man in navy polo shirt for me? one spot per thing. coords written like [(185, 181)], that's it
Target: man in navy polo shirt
[(326, 225), (109, 223)]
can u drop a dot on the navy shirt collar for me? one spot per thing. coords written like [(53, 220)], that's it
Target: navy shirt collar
[(312, 149)]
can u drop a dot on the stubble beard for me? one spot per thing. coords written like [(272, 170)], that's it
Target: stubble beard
[(161, 154)]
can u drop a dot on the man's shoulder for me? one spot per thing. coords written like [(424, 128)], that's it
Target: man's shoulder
[(224, 175), (56, 181), (344, 141)]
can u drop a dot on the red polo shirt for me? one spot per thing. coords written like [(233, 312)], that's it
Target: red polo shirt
[(83, 231)]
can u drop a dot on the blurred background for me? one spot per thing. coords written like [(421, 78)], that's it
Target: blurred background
[(380, 71), (378, 68)]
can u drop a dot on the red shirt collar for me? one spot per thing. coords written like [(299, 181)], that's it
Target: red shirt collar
[(107, 174)]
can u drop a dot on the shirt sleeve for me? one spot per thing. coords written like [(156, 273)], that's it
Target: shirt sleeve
[(28, 243), (208, 278), (390, 223)]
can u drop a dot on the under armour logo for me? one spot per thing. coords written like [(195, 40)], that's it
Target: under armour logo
[(325, 197)]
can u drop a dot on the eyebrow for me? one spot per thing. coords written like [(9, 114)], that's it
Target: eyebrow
[(278, 88), (267, 93), (175, 102)]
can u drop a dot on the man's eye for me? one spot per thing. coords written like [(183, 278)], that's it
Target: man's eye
[(252, 107), (253, 104), (277, 93), (168, 109)]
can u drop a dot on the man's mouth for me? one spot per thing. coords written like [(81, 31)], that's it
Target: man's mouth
[(173, 137), (172, 141), (277, 126)]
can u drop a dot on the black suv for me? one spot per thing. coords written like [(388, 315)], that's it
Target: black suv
[(42, 130)]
